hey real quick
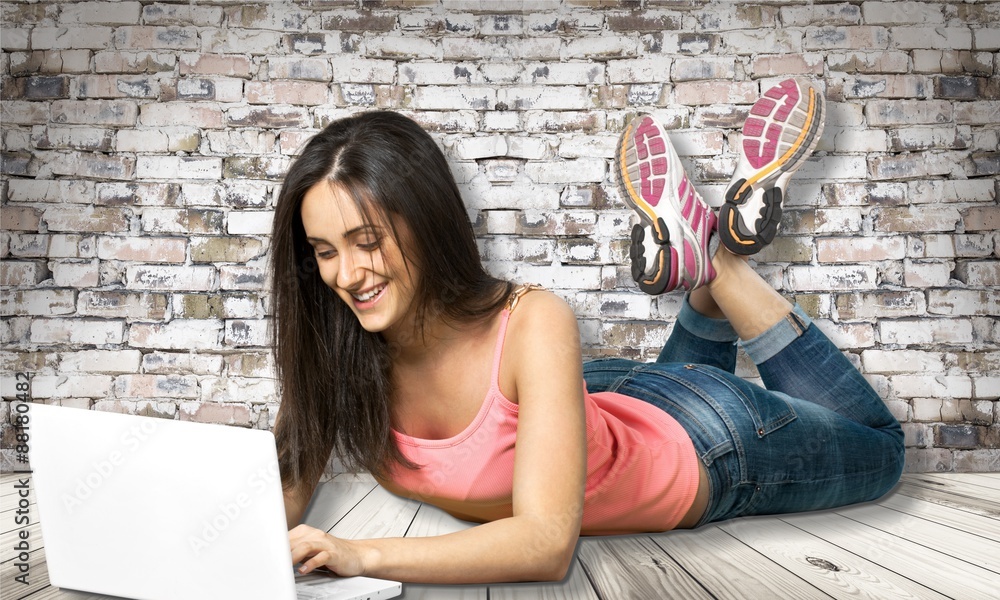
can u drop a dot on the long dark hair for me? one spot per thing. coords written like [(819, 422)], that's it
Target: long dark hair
[(334, 376)]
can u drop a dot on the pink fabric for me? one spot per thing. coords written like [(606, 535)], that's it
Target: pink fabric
[(642, 471)]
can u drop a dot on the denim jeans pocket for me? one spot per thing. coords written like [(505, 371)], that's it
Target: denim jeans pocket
[(669, 387), (768, 411)]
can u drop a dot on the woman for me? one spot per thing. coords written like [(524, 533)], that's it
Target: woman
[(390, 334)]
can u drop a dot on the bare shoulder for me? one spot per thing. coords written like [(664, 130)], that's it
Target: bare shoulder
[(541, 310), (541, 322)]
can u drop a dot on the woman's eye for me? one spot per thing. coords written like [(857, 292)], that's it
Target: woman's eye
[(370, 246), (326, 253)]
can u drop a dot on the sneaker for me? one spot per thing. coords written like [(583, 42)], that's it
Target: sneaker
[(669, 246), (781, 132)]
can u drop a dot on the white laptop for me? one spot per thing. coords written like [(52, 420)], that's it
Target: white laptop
[(153, 509)]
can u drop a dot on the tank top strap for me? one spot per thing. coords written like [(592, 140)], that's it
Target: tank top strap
[(520, 291), (515, 297)]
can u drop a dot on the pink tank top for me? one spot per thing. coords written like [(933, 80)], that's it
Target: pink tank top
[(642, 471)]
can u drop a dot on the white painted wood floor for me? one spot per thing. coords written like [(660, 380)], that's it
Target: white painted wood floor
[(935, 536)]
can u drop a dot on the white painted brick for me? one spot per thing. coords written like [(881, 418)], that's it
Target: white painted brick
[(844, 115), (454, 98), (170, 278), (403, 47), (589, 146), (530, 148), (169, 114), (63, 245), (847, 335), (249, 222), (853, 140), (464, 171), (244, 332), (524, 197), (169, 14), (95, 112), (503, 222), (572, 171), (963, 302), (27, 245), (501, 73), (639, 70), (480, 147), (602, 46), (977, 113), (239, 389), (902, 361), (561, 276), (537, 48), (940, 38), (921, 274), (751, 41), (927, 409), (986, 387), (71, 386), (76, 274), (948, 386), (178, 167), (860, 249), (825, 278), (77, 331), (70, 38), (178, 334), (567, 73), (14, 39), (986, 38), (501, 120), (545, 97), (41, 190), (704, 67), (536, 121), (100, 361), (218, 88), (141, 140), (24, 113), (969, 190), (40, 302), (156, 386), (105, 13), (250, 41), (243, 277), (850, 167), (433, 73), (182, 363), (901, 13), (18, 273), (907, 332)]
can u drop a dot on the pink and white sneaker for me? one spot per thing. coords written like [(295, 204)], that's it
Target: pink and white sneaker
[(781, 132), (670, 244)]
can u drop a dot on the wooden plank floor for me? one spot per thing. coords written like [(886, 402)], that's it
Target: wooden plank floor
[(935, 536)]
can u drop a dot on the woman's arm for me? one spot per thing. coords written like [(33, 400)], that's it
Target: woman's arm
[(536, 543)]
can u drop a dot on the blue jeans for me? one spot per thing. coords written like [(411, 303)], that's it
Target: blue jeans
[(819, 436)]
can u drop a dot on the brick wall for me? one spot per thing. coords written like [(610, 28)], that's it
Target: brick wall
[(144, 142)]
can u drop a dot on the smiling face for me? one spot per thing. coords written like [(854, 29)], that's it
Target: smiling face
[(359, 260)]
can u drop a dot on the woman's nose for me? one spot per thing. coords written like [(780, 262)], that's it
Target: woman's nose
[(348, 274)]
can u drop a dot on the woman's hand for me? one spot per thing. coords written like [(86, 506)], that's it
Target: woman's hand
[(315, 548)]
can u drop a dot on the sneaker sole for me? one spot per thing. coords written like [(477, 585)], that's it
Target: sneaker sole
[(781, 132), (658, 194)]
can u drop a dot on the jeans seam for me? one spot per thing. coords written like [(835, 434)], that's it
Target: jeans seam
[(730, 425)]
